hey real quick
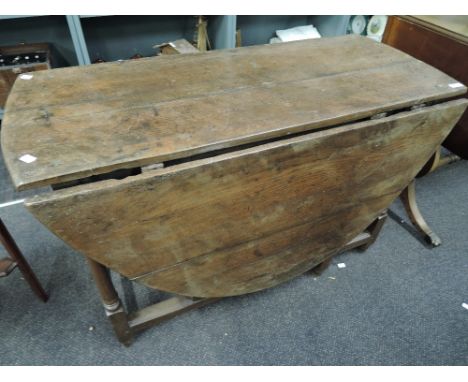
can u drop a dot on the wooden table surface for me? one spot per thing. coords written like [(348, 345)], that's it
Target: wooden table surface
[(236, 221), (250, 219), (81, 121)]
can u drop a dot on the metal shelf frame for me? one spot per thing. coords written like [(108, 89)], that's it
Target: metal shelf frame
[(224, 36), (79, 42), (223, 30)]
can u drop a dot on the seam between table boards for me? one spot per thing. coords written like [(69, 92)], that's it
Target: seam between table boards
[(233, 90)]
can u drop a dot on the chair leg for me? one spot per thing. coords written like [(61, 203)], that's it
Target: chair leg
[(16, 255), (408, 197)]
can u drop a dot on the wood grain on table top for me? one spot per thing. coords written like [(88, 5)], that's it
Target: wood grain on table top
[(81, 121), (253, 218)]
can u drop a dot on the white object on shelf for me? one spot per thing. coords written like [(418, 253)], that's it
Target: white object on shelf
[(298, 33), (376, 27), (375, 38), (358, 24)]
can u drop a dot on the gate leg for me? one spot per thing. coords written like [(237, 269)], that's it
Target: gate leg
[(115, 311)]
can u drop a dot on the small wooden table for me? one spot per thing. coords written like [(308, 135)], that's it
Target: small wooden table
[(225, 173)]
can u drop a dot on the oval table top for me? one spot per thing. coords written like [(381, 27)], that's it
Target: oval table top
[(70, 123)]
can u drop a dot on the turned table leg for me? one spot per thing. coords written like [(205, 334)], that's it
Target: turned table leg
[(408, 197), (126, 325), (18, 259), (112, 304)]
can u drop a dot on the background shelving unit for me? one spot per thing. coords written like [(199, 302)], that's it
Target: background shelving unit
[(120, 37), (54, 29), (32, 29), (259, 29), (79, 40)]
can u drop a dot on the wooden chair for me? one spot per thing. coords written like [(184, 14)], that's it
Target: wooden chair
[(8, 264)]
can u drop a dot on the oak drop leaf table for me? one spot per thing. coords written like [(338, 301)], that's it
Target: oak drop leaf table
[(225, 173)]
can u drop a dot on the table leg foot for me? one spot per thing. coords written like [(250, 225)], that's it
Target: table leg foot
[(115, 311), (119, 321)]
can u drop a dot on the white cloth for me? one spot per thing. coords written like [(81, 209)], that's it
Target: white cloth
[(298, 33)]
